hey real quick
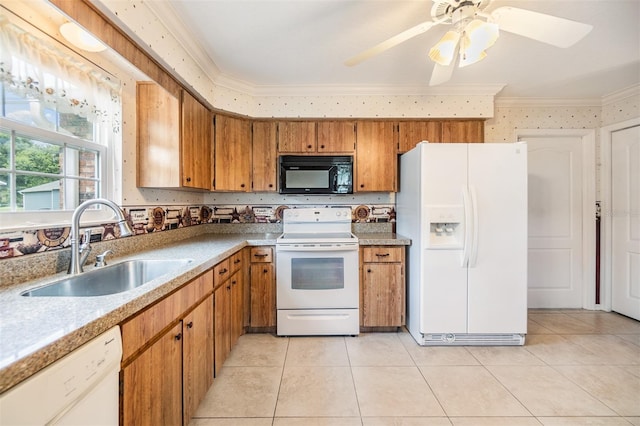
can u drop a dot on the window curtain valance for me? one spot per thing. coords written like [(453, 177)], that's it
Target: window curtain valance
[(32, 67)]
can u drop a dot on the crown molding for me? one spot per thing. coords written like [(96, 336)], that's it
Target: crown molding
[(547, 102), (168, 17), (622, 94)]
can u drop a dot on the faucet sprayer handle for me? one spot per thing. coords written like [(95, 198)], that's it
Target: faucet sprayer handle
[(100, 259)]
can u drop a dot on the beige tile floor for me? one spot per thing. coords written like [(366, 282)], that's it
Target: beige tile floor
[(576, 368)]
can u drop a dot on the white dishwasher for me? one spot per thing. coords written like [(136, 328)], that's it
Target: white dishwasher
[(79, 389)]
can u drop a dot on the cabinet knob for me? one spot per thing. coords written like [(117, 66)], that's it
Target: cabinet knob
[(190, 324), (228, 287), (188, 179), (309, 146), (234, 282), (362, 185), (242, 185), (178, 336), (270, 185), (322, 146), (369, 270), (265, 271)]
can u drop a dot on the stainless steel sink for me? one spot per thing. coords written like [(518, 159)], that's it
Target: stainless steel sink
[(110, 279)]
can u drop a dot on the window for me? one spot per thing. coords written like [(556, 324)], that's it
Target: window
[(58, 116)]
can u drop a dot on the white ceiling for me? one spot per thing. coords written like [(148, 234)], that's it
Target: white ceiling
[(299, 46)]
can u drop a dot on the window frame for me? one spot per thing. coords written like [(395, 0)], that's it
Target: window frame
[(24, 220)]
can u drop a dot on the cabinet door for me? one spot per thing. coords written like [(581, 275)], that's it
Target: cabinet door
[(237, 311), (412, 132), (195, 143), (463, 131), (152, 383), (232, 154), (263, 295), (297, 136), (382, 295), (222, 324), (265, 156), (376, 161), (158, 137), (336, 137), (197, 356)]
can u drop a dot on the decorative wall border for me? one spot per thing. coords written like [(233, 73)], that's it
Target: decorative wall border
[(146, 220)]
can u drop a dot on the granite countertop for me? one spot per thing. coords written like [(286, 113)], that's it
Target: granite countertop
[(36, 331)]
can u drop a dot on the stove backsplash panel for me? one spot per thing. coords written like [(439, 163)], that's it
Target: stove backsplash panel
[(145, 220)]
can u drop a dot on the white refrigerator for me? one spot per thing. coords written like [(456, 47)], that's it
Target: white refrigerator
[(464, 207)]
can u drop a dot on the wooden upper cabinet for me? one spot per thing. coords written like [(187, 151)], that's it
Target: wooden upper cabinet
[(463, 131), (232, 154), (297, 137), (265, 156), (336, 137), (412, 132), (158, 137), (376, 158), (195, 143)]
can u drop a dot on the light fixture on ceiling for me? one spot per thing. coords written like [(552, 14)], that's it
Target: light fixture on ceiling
[(80, 38), (470, 39)]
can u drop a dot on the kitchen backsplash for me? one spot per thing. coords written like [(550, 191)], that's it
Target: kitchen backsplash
[(146, 220)]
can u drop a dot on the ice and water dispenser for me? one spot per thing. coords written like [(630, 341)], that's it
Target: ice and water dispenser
[(446, 227)]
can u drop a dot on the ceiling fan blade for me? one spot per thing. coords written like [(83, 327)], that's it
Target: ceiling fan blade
[(442, 73), (548, 29), (391, 42)]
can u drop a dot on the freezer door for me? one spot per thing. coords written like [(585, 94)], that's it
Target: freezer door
[(497, 287), (444, 297)]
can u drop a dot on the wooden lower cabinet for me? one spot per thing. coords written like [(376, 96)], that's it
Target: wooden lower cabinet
[(152, 383), (168, 357), (263, 289), (222, 321), (228, 306), (382, 287), (197, 353)]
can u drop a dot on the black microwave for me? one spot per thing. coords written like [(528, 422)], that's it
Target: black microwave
[(315, 174)]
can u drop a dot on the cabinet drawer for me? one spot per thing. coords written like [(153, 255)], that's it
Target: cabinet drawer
[(143, 327), (235, 262), (221, 272), (382, 254), (261, 255)]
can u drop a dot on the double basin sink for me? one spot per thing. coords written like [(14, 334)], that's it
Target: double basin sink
[(111, 279)]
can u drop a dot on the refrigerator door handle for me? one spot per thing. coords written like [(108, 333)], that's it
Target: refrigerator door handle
[(468, 225), (473, 252)]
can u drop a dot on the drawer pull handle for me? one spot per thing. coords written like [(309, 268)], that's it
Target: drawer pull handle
[(190, 324), (261, 254), (235, 262), (382, 254), (223, 271)]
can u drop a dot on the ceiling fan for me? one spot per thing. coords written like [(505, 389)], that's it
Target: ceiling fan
[(475, 30)]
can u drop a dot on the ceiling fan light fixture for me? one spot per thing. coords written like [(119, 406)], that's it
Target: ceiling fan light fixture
[(477, 37), (443, 52)]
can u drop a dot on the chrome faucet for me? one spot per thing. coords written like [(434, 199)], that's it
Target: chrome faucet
[(79, 253)]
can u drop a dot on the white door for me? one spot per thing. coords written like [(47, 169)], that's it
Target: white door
[(555, 270), (625, 221), (497, 289)]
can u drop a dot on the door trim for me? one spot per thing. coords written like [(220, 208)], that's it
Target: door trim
[(606, 136), (588, 137)]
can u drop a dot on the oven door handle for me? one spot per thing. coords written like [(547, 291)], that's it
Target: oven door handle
[(302, 248)]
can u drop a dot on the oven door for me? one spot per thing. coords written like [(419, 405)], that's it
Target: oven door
[(316, 276)]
